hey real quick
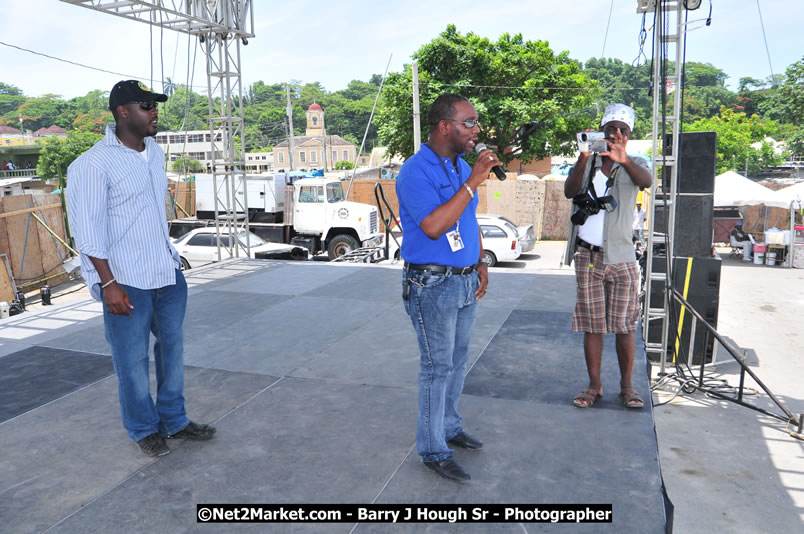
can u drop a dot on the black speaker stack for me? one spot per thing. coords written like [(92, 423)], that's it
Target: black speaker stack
[(696, 272)]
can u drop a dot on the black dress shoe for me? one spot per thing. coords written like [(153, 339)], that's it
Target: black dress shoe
[(153, 445), (466, 441), (195, 432), (449, 470)]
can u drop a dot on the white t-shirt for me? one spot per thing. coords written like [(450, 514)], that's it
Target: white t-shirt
[(639, 219), (592, 230), (144, 155)]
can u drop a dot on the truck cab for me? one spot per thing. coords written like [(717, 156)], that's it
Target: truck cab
[(321, 212)]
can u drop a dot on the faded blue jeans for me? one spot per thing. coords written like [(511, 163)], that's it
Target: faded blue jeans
[(442, 308), (161, 312)]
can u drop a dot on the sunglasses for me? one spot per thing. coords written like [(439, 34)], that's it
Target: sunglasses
[(147, 106), (469, 123), (613, 130)]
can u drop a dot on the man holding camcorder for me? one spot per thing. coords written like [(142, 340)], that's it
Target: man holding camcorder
[(603, 186)]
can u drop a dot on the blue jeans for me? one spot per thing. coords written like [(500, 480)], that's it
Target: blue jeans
[(442, 308), (160, 311)]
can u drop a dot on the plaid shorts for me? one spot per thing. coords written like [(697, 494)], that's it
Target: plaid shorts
[(608, 295)]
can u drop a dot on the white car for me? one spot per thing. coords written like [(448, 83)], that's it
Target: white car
[(199, 247), (525, 232), (500, 240)]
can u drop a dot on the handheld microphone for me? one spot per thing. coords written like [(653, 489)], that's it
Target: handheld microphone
[(498, 171)]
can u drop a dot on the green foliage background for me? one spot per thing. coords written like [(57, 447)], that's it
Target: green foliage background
[(509, 80)]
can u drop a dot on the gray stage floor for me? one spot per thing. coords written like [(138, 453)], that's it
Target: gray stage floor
[(309, 372)]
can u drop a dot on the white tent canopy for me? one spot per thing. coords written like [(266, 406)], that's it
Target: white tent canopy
[(790, 194), (733, 190)]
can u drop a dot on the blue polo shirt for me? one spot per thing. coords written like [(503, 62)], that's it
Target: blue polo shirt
[(425, 182)]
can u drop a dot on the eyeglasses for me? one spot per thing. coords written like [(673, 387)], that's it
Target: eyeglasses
[(147, 106), (469, 123), (613, 129)]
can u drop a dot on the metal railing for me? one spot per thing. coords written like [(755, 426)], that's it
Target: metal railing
[(788, 416), (18, 173), (388, 222)]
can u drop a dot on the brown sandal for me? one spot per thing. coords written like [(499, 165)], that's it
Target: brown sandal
[(587, 398), (631, 399)]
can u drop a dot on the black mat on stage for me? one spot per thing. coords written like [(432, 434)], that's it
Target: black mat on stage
[(37, 375), (309, 372)]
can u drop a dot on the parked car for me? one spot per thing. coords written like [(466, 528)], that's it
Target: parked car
[(199, 247), (500, 239), (525, 232)]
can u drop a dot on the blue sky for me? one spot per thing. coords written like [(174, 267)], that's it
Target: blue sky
[(335, 42)]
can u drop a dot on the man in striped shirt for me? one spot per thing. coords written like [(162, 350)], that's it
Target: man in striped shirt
[(115, 200)]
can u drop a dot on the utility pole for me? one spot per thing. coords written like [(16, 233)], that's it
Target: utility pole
[(291, 150), (417, 125), (324, 142)]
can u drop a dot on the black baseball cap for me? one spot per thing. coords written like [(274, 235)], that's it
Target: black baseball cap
[(126, 91)]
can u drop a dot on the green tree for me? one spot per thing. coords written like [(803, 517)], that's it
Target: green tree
[(795, 142), (705, 92), (42, 112), (184, 110), (792, 93), (11, 98), (57, 154), (344, 165), (736, 132), (538, 85), (619, 82), (264, 112), (184, 165), (169, 86)]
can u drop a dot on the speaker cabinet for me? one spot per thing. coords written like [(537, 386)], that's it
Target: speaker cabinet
[(703, 294), (696, 162), (693, 235)]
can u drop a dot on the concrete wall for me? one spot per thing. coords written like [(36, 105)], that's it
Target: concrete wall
[(537, 202), (555, 221)]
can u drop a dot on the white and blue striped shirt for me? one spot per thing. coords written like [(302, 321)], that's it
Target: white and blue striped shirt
[(116, 206)]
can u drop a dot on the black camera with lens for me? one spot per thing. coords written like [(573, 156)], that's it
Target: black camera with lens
[(591, 206)]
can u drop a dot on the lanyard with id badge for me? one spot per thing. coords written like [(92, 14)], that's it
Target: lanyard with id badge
[(454, 237)]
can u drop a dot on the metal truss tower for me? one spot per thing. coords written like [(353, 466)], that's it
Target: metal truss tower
[(221, 26), (668, 46)]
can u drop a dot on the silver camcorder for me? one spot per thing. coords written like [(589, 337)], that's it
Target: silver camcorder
[(593, 142)]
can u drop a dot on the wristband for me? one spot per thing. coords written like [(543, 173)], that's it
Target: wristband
[(469, 190), (107, 284)]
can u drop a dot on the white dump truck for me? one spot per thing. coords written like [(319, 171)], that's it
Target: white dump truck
[(310, 212)]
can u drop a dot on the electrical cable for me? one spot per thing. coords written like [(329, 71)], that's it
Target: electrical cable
[(767, 50), (606, 37), (151, 44), (77, 64), (622, 88), (67, 60), (638, 61), (161, 49)]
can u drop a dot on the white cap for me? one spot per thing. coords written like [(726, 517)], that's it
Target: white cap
[(619, 112)]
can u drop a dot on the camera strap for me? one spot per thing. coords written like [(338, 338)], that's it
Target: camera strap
[(590, 177)]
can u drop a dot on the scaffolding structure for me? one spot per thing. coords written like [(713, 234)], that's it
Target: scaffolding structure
[(220, 26), (668, 46)]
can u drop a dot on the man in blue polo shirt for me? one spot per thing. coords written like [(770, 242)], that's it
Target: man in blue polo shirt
[(444, 275)]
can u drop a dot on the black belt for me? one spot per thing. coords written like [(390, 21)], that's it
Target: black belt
[(435, 268), (581, 243)]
